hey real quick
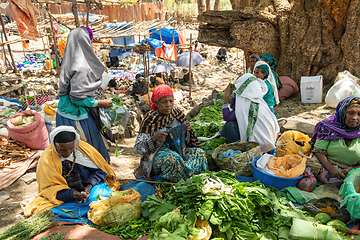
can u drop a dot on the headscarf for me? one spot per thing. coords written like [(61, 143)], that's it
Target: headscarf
[(159, 92), (272, 63), (255, 56), (270, 78), (81, 69), (80, 157), (334, 128), (268, 58), (265, 70)]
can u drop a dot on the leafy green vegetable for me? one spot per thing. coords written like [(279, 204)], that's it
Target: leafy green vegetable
[(118, 193), (251, 211), (208, 130), (212, 113), (133, 229)]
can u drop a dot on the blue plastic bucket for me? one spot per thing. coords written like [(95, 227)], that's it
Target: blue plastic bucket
[(271, 180)]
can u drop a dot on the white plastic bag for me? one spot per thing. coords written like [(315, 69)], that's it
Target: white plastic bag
[(346, 85)]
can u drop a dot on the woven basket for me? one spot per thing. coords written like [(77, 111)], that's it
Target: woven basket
[(239, 164)]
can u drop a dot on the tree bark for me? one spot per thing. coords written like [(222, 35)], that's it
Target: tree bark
[(216, 5), (208, 5), (201, 6), (306, 37)]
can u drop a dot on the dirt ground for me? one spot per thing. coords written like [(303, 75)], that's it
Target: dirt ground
[(207, 78)]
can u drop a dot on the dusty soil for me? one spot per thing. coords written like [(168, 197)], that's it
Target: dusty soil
[(207, 78)]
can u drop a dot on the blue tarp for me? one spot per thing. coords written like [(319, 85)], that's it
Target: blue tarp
[(124, 41), (166, 35)]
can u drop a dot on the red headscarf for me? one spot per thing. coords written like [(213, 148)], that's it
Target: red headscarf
[(159, 92)]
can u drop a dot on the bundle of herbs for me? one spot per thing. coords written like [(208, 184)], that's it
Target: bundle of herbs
[(29, 227)]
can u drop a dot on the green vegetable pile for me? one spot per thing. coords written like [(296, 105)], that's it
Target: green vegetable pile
[(133, 229), (208, 130), (248, 211), (212, 113), (29, 227)]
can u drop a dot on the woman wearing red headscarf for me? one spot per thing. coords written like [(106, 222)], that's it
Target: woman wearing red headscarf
[(161, 130)]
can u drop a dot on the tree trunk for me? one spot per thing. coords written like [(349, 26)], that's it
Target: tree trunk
[(306, 37), (208, 5), (216, 5), (201, 6)]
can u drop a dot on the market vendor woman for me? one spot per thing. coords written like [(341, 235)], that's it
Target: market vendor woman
[(152, 142), (337, 143), (70, 174)]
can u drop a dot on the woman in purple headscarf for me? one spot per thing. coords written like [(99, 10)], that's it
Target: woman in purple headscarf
[(336, 143), (253, 59)]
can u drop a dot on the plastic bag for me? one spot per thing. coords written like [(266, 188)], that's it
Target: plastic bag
[(293, 142), (329, 206), (116, 210), (118, 117), (345, 85), (350, 190), (239, 164), (288, 166)]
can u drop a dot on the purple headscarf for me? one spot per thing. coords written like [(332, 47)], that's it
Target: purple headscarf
[(91, 35), (333, 127), (255, 56)]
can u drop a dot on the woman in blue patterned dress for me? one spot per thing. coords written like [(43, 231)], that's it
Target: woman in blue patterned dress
[(154, 143)]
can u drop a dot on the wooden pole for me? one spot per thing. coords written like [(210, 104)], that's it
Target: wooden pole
[(8, 45), (3, 49), (55, 46), (88, 6), (75, 12), (190, 69), (160, 34)]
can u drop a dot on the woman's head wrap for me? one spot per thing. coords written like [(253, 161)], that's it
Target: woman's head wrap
[(159, 92), (342, 109), (64, 137), (61, 139), (268, 58), (265, 69), (255, 56), (91, 35)]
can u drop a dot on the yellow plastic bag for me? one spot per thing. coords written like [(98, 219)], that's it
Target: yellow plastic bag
[(116, 210), (288, 166), (293, 143)]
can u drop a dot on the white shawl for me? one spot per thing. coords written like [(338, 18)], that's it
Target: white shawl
[(255, 120)]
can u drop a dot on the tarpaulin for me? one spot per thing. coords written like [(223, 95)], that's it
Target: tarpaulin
[(161, 49), (167, 35), (24, 13)]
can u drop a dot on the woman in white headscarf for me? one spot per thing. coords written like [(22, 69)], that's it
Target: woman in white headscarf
[(80, 76), (70, 174), (255, 120)]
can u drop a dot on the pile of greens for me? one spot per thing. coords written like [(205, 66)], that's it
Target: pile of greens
[(207, 130), (249, 211), (133, 229), (212, 113)]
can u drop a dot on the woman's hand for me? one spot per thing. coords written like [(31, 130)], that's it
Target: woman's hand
[(160, 136), (88, 188), (80, 196), (227, 93), (346, 171), (336, 173), (188, 126), (104, 103)]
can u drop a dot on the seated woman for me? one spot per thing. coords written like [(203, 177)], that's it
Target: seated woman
[(70, 174), (336, 142), (263, 71), (254, 119), (253, 59), (272, 63), (153, 143)]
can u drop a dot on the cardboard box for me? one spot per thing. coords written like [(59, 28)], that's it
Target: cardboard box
[(311, 89)]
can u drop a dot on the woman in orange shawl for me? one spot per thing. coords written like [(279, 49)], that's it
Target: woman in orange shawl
[(70, 175)]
